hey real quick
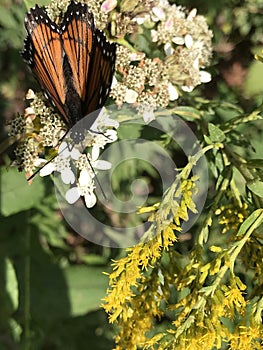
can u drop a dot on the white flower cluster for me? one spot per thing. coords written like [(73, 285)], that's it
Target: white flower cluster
[(78, 168), (182, 43), (187, 39)]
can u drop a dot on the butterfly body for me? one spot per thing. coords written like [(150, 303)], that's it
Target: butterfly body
[(73, 62)]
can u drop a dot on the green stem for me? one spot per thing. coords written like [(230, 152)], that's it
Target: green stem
[(26, 333), (202, 237), (239, 245), (248, 174), (233, 253)]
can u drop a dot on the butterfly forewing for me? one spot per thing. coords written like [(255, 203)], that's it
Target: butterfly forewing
[(101, 72), (43, 52), (78, 43)]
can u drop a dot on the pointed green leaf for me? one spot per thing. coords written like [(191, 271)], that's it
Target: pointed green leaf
[(256, 187), (216, 134), (256, 219)]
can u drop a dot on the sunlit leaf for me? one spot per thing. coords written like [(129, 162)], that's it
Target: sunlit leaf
[(256, 187), (250, 221), (17, 195)]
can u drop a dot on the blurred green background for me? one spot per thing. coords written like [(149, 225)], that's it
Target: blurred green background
[(51, 278)]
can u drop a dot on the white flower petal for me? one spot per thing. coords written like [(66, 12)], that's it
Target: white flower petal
[(108, 5), (72, 195), (130, 96), (47, 169), (111, 135), (67, 176), (148, 116), (90, 200), (173, 93), (30, 95), (168, 25), (112, 123), (95, 153), (29, 111), (75, 153), (187, 88), (159, 13), (63, 150), (102, 165), (40, 162), (103, 121), (140, 20), (188, 40), (192, 14), (114, 82), (136, 56), (168, 49), (205, 77), (85, 177), (154, 35), (178, 40)]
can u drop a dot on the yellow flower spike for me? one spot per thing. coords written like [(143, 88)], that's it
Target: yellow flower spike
[(203, 277), (234, 297), (151, 217), (205, 267), (216, 266), (240, 284), (143, 291), (149, 209), (169, 237), (215, 249)]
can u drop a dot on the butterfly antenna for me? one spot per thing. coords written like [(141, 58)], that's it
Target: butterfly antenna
[(38, 170), (102, 191), (96, 177)]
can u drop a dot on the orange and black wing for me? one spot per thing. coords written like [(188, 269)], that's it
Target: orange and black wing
[(44, 54), (101, 73), (73, 62), (91, 58), (77, 34)]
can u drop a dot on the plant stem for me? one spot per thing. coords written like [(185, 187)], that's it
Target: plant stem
[(26, 333)]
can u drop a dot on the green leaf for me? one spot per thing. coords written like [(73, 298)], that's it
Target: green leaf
[(17, 195), (8, 290), (32, 3), (11, 283), (255, 163), (188, 113), (129, 131), (94, 259), (207, 140), (254, 84), (250, 221), (216, 134), (7, 19), (86, 287), (256, 187)]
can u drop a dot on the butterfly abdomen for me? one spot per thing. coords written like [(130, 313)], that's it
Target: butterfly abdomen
[(73, 104)]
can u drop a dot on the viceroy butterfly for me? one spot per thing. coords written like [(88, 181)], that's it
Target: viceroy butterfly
[(73, 62)]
